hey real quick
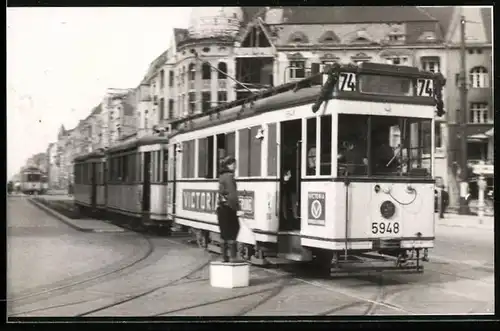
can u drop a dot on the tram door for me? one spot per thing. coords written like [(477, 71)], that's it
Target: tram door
[(290, 183), (93, 183), (146, 186)]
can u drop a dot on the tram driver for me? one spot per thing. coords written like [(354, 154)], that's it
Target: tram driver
[(352, 156), (384, 159)]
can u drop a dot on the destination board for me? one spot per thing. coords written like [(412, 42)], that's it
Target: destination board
[(205, 201)]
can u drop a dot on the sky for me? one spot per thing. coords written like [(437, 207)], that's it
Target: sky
[(60, 61)]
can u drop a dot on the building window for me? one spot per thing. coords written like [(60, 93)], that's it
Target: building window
[(162, 108), (431, 64), (170, 108), (222, 66), (162, 78), (206, 101), (222, 97), (396, 37), (478, 112), (475, 51), (192, 102), (297, 69), (192, 72), (478, 77), (206, 71), (396, 60), (171, 78)]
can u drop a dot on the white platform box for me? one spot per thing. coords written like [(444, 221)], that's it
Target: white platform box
[(229, 274)]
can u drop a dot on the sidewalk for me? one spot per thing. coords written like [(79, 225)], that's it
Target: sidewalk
[(466, 221), (84, 225)]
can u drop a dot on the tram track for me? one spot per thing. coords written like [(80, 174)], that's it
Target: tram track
[(381, 298), (137, 259)]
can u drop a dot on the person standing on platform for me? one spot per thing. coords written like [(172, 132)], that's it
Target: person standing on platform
[(227, 209)]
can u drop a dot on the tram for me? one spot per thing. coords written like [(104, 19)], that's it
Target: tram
[(45, 183), (31, 180), (89, 186), (331, 168), (126, 182)]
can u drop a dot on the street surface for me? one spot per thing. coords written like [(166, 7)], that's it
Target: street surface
[(55, 270)]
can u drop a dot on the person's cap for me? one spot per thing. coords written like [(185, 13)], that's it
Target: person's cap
[(228, 160)]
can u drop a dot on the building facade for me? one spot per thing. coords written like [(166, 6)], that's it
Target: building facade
[(227, 53), (479, 112)]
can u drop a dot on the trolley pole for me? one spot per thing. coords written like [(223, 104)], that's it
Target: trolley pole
[(464, 208)]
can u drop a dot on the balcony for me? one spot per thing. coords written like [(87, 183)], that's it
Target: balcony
[(191, 85)]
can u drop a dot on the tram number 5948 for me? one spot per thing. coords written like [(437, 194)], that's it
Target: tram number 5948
[(385, 227)]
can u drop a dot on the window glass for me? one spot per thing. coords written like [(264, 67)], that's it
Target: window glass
[(272, 150), (244, 149), (326, 145), (255, 152), (311, 146)]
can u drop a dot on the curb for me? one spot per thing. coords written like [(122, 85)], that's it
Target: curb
[(66, 221), (467, 226)]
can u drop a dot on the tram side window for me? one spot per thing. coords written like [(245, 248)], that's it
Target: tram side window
[(188, 159), (352, 145), (206, 157), (326, 145), (165, 165), (272, 150), (311, 146), (255, 153), (159, 164), (117, 169), (138, 167), (226, 145), (249, 159)]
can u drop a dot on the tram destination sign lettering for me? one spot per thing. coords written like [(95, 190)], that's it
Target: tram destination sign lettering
[(205, 201)]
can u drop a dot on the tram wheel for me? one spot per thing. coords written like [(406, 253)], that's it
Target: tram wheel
[(246, 251)]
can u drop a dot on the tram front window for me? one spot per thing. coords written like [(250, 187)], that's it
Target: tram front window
[(398, 146), (352, 146), (33, 178)]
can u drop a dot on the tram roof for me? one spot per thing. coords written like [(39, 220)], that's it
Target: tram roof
[(292, 94), (31, 169), (137, 142), (92, 155)]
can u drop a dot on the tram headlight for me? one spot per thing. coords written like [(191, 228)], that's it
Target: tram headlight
[(387, 209)]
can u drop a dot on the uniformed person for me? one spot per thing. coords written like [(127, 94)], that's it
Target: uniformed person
[(227, 209)]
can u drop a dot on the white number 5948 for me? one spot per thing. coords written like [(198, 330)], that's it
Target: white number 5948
[(385, 227)]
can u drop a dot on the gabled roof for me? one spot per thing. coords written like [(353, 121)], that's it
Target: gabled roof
[(352, 14), (447, 16)]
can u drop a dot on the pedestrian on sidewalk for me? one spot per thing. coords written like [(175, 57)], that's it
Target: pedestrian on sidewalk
[(227, 209)]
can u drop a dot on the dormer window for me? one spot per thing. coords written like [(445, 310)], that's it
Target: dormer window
[(396, 37), (329, 37), (427, 36), (298, 37)]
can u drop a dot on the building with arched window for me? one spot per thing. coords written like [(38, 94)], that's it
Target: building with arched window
[(479, 112), (227, 53)]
